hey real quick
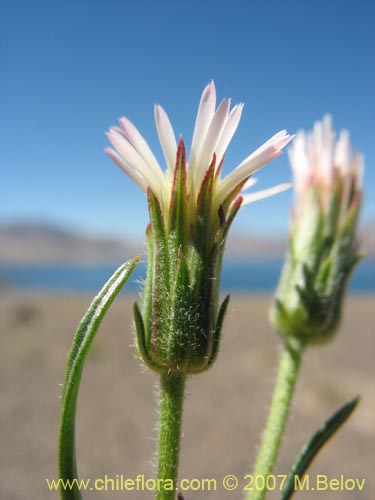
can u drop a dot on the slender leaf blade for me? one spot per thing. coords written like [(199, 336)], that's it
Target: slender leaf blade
[(314, 445), (80, 347)]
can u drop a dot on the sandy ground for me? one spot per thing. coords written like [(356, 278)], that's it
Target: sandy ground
[(225, 408)]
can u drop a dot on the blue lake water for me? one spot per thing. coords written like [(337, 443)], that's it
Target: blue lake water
[(238, 276)]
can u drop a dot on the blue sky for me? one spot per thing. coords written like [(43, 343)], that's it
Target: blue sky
[(70, 68)]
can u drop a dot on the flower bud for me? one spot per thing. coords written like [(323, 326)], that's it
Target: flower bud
[(322, 249)]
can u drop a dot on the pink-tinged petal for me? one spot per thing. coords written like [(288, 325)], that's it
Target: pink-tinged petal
[(274, 139), (140, 145), (167, 138), (263, 155), (205, 115), (265, 193), (344, 161), (297, 153), (343, 153), (132, 158), (204, 157), (127, 169), (358, 169), (275, 144), (249, 183), (327, 160), (228, 131), (245, 170), (298, 157)]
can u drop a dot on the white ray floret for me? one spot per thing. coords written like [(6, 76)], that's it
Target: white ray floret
[(213, 132), (167, 138), (317, 153), (317, 157), (265, 193)]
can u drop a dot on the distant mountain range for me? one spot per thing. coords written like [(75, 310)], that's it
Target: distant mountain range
[(37, 243), (41, 243)]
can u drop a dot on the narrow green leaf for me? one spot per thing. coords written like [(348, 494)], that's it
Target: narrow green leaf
[(316, 442), (81, 344)]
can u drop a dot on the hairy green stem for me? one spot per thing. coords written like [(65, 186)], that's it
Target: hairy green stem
[(172, 386), (277, 417)]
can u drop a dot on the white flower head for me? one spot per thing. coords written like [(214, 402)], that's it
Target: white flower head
[(319, 161), (191, 209), (214, 129)]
